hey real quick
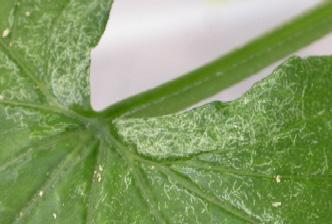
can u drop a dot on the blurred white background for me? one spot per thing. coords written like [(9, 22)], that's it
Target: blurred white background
[(148, 42)]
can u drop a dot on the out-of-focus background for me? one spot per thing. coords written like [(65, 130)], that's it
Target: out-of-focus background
[(148, 42)]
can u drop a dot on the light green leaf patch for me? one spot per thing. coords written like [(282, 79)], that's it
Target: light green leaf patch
[(264, 158)]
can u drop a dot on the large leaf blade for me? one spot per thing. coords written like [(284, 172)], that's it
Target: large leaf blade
[(264, 158), (50, 43)]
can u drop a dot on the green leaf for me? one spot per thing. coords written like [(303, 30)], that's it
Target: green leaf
[(46, 45), (264, 158), (62, 163), (47, 156), (220, 74)]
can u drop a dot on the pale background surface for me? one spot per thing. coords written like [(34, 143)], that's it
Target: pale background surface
[(148, 42)]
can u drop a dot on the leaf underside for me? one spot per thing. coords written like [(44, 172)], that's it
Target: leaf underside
[(263, 158)]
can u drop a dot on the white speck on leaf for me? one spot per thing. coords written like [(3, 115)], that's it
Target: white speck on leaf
[(98, 175), (276, 204), (2, 97), (5, 33), (278, 178), (27, 13), (100, 168), (41, 193), (54, 215)]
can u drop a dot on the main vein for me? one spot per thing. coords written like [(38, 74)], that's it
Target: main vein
[(24, 66), (26, 70), (132, 158), (65, 167), (102, 157), (142, 186), (24, 152)]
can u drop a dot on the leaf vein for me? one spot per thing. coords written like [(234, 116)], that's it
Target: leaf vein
[(65, 167)]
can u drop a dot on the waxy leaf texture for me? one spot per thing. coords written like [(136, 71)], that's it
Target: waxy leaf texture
[(264, 158)]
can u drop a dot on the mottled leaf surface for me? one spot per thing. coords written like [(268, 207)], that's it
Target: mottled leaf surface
[(264, 158), (47, 158), (47, 44)]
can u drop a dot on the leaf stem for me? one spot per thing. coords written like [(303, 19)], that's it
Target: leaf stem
[(208, 80)]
